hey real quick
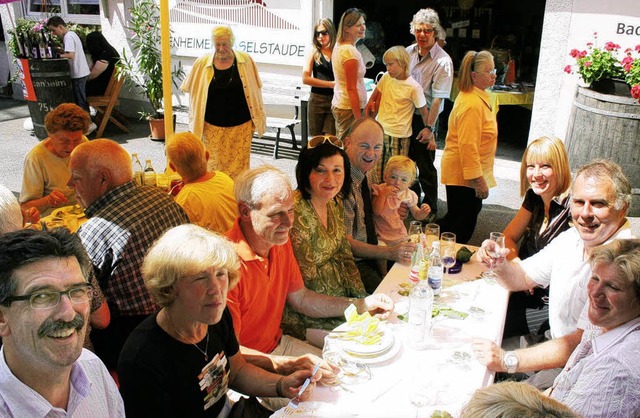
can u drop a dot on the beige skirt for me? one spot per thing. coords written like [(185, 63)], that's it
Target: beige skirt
[(229, 147)]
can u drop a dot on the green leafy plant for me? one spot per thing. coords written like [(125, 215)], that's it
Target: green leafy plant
[(596, 63), (631, 66), (143, 68)]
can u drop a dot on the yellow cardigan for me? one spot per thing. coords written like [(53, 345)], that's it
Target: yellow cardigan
[(197, 85), (471, 140)]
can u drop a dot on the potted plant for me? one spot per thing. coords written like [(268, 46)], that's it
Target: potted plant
[(600, 68), (631, 67), (143, 68)]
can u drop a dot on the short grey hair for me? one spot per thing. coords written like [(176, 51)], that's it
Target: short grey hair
[(624, 256), (221, 32), (106, 154), (605, 169), (427, 17), (10, 213), (252, 185)]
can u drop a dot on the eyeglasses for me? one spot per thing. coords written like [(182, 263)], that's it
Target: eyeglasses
[(47, 300), (492, 72), (425, 30), (321, 139), (322, 32)]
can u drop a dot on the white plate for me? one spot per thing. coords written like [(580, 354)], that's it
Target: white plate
[(391, 353), (381, 347), (67, 210)]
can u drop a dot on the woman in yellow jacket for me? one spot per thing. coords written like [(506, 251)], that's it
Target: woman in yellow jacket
[(467, 161), (225, 99)]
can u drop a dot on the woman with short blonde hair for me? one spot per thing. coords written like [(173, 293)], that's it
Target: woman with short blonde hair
[(182, 360), (225, 98)]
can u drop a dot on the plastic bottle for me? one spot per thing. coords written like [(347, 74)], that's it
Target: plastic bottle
[(149, 177), (435, 268), (420, 310), (137, 169), (416, 260)]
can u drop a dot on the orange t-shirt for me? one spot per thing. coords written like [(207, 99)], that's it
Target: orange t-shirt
[(257, 301)]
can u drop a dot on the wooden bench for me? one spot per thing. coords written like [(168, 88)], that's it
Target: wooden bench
[(281, 90), (105, 106)]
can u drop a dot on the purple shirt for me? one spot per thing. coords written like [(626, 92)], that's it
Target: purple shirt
[(93, 393)]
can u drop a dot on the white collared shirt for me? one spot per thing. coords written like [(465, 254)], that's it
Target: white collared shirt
[(93, 393)]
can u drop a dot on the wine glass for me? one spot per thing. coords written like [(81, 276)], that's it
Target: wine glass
[(347, 371), (495, 253), (448, 251), (415, 229), (432, 232)]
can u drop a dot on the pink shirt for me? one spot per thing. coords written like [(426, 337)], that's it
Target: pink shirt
[(389, 226)]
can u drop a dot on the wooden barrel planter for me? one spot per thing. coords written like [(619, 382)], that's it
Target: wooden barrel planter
[(49, 82), (606, 126)]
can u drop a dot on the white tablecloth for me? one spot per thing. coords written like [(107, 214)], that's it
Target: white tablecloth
[(388, 392)]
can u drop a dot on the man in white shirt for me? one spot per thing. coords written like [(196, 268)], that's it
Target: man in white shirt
[(44, 308), (75, 53), (600, 197)]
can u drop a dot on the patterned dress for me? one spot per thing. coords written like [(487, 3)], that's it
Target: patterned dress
[(325, 260)]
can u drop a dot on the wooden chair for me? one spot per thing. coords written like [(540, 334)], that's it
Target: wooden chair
[(105, 106)]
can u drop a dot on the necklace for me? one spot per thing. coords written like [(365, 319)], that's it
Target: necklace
[(206, 348)]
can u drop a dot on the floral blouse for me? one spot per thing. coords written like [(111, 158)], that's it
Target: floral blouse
[(325, 260)]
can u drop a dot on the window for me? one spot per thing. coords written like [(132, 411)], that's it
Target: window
[(76, 11)]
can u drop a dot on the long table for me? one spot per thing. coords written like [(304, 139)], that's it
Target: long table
[(447, 366)]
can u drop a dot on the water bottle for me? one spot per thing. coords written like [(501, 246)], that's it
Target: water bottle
[(416, 262), (420, 309), (137, 169), (149, 174), (435, 268)]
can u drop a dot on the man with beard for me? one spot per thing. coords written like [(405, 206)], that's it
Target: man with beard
[(44, 308), (600, 197)]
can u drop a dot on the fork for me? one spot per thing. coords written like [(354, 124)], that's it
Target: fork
[(293, 403)]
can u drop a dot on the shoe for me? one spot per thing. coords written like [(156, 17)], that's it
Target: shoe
[(92, 127)]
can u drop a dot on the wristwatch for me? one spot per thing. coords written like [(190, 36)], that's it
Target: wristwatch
[(510, 362), (431, 128)]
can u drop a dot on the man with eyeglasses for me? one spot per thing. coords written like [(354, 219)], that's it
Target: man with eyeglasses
[(44, 308), (432, 67), (364, 148)]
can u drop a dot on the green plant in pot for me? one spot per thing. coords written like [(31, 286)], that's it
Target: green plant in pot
[(143, 68)]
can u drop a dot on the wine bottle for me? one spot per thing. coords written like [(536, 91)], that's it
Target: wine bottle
[(16, 39), (41, 46)]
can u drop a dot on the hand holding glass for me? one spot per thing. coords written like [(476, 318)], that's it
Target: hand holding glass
[(495, 252), (415, 229)]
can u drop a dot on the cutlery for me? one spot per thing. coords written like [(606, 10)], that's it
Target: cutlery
[(293, 403)]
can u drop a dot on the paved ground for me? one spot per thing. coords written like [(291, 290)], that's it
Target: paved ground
[(499, 208)]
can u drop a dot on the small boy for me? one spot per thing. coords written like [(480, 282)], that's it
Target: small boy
[(73, 51), (394, 100), (399, 175)]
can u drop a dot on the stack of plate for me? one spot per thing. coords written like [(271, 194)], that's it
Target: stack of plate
[(369, 351)]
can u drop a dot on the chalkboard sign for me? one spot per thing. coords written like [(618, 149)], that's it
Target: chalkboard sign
[(51, 81)]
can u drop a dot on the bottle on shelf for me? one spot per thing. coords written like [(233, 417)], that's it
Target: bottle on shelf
[(35, 51), (52, 47), (137, 169), (435, 268), (420, 313), (42, 45), (18, 42)]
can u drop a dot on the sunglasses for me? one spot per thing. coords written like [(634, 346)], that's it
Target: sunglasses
[(321, 139), (425, 30), (322, 32)]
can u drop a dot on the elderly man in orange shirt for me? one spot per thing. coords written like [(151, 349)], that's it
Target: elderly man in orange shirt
[(270, 276)]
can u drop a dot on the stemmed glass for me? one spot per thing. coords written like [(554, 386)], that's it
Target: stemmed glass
[(415, 229), (432, 233), (448, 251), (495, 253), (346, 371)]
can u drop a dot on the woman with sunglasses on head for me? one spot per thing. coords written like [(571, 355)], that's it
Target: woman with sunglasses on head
[(349, 93), (470, 146), (318, 74), (225, 98), (318, 234)]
